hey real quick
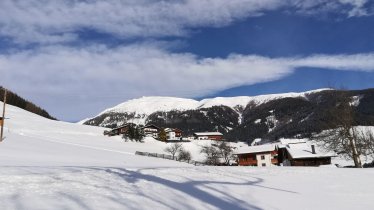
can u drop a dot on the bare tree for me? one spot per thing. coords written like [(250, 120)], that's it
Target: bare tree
[(225, 151), (184, 155), (342, 136), (212, 154), (366, 138), (174, 148)]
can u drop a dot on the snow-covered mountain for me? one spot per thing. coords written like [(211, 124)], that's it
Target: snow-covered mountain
[(138, 110), (243, 118)]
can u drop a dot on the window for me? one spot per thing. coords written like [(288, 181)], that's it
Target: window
[(264, 164), (262, 157)]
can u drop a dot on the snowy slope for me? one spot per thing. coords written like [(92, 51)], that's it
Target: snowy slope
[(145, 106), (46, 142), (47, 164)]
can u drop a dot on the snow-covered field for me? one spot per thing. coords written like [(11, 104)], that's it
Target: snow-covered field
[(55, 165)]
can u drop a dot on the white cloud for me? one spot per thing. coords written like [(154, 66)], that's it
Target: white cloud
[(358, 7), (54, 21), (50, 21), (350, 8), (68, 77)]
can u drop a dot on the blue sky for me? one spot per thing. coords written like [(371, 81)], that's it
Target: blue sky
[(75, 58)]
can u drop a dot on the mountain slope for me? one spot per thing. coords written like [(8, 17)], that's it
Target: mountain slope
[(138, 110), (14, 99), (242, 118)]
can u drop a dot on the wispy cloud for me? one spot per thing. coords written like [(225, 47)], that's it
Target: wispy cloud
[(133, 71), (48, 21)]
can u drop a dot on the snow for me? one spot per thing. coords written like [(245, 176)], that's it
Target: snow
[(355, 100), (256, 149), (304, 150), (208, 133), (47, 164), (143, 107)]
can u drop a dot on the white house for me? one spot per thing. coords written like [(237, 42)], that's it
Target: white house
[(208, 136), (173, 134), (261, 156)]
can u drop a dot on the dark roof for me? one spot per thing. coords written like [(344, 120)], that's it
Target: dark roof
[(151, 126), (123, 126)]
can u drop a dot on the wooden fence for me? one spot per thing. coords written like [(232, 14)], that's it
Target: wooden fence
[(168, 157)]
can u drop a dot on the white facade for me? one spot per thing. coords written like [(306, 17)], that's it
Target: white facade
[(263, 160), (171, 136), (151, 132)]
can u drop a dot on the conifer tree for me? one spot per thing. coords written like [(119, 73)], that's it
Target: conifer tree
[(162, 135)]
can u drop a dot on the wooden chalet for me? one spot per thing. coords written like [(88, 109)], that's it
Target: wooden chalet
[(151, 130), (208, 136), (299, 152), (261, 156), (118, 131)]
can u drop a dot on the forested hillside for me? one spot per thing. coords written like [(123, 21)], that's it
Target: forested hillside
[(15, 100), (296, 116)]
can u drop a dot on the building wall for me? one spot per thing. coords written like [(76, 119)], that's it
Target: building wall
[(263, 160), (217, 138), (247, 160), (171, 136), (270, 158), (311, 161)]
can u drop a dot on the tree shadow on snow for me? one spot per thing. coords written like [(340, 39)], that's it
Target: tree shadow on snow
[(192, 188), (101, 181)]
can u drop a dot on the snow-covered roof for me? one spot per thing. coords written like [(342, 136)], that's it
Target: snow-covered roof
[(172, 130), (208, 134), (292, 141), (304, 150), (256, 149)]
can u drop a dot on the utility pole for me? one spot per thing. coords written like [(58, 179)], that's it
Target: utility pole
[(3, 119)]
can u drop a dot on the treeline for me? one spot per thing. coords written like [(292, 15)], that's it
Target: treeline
[(15, 100), (216, 118)]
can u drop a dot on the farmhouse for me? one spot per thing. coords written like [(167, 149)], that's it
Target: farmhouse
[(151, 131), (208, 136), (299, 152), (118, 131), (261, 156), (173, 134)]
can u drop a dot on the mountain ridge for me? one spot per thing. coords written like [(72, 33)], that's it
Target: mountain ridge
[(147, 105), (267, 117)]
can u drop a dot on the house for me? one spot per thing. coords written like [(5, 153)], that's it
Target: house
[(118, 131), (300, 152), (261, 156), (208, 136), (173, 134), (151, 131)]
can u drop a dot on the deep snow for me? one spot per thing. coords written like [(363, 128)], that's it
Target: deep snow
[(47, 164)]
